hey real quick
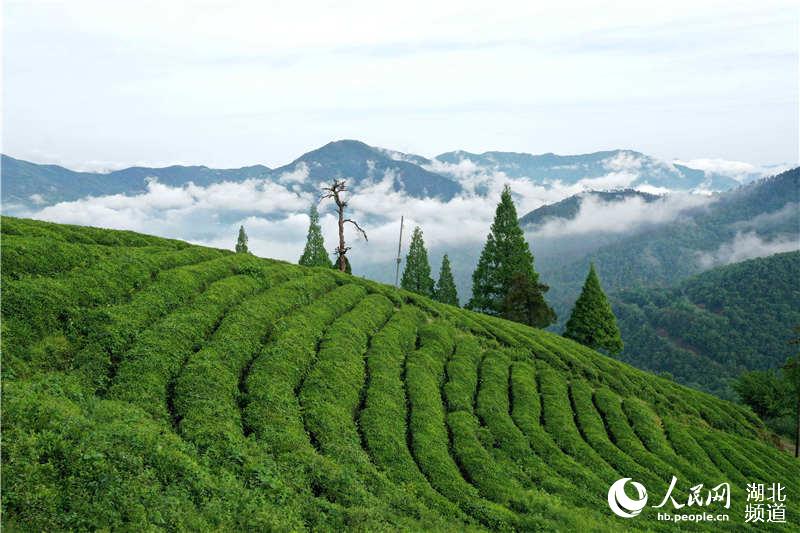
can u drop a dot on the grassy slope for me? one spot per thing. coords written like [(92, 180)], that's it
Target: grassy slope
[(149, 384)]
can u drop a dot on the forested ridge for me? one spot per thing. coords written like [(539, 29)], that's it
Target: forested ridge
[(713, 326)]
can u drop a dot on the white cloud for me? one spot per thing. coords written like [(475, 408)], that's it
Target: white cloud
[(275, 215), (652, 189), (613, 180), (623, 162), (269, 80), (747, 245), (298, 175), (208, 215), (738, 170), (597, 215), (790, 210)]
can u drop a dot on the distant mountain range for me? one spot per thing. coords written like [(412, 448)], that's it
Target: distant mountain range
[(598, 170), (446, 175), (32, 184)]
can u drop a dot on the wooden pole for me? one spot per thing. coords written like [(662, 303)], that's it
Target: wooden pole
[(399, 247)]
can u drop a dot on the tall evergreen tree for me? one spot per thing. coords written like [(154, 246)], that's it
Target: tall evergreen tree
[(417, 273), (505, 255), (241, 242), (314, 254), (592, 322), (524, 302), (445, 290)]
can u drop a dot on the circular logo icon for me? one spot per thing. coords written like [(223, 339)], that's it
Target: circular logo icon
[(621, 504)]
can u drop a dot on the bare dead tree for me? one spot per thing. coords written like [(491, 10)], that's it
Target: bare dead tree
[(335, 191)]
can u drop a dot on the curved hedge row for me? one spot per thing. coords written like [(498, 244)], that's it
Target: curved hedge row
[(493, 476), (557, 418), (206, 396), (108, 332), (41, 309), (389, 444), (526, 413), (148, 368), (494, 408)]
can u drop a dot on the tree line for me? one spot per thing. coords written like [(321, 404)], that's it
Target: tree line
[(504, 283)]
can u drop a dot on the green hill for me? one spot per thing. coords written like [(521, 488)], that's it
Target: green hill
[(149, 384), (666, 254), (713, 326)]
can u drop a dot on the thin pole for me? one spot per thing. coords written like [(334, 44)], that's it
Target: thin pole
[(399, 247)]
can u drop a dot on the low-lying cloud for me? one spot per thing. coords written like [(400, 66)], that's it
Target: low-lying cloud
[(596, 215), (738, 170), (747, 245), (274, 213)]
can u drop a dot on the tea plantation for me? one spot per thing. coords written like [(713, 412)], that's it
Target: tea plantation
[(149, 384)]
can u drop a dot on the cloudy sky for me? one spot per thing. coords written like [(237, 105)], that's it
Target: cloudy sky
[(109, 84)]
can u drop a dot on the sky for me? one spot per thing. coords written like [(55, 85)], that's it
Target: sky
[(103, 85)]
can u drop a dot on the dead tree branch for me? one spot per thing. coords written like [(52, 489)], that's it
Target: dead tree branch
[(335, 191)]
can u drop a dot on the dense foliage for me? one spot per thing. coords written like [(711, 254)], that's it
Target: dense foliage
[(775, 397), (592, 322), (445, 290), (524, 302), (506, 256), (713, 326), (314, 253), (417, 272), (152, 385)]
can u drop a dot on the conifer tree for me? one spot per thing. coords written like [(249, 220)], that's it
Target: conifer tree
[(524, 302), (241, 242), (417, 273), (592, 322), (314, 254), (445, 290), (347, 268), (505, 255)]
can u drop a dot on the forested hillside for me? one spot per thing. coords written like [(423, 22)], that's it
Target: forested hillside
[(713, 326), (153, 385), (766, 211)]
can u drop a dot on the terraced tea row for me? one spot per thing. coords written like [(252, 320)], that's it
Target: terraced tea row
[(157, 385)]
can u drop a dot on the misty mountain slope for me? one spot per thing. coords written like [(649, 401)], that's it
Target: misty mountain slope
[(599, 170), (362, 163), (711, 327), (153, 385), (29, 184), (569, 207), (755, 220), (50, 184)]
